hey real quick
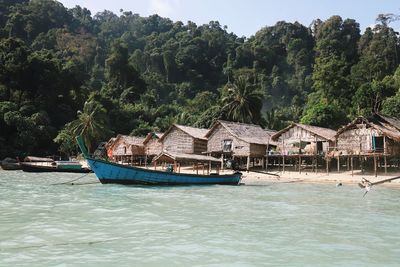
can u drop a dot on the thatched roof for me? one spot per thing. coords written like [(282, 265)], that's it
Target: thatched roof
[(387, 126), (183, 157), (129, 140), (198, 133), (110, 142), (250, 133), (152, 135), (324, 133)]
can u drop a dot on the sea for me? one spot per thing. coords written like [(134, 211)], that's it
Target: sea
[(58, 219)]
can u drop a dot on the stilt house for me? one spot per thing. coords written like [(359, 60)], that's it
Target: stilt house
[(366, 136), (152, 146), (239, 141), (184, 139), (127, 149), (300, 138)]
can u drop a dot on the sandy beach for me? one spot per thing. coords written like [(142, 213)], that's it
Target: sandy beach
[(311, 177)]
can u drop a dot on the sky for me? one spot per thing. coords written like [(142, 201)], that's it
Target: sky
[(246, 17)]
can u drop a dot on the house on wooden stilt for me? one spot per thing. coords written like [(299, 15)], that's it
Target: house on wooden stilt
[(368, 143), (152, 146), (128, 149), (244, 143), (183, 145), (302, 145)]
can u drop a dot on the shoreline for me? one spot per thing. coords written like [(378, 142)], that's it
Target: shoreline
[(345, 178)]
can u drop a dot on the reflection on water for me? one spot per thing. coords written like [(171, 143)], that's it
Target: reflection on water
[(277, 225)]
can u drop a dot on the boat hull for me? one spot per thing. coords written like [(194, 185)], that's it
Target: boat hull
[(108, 172), (27, 167), (10, 166)]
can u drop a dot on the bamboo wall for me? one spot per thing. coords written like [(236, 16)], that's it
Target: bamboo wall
[(178, 141), (121, 148), (296, 134), (240, 148), (199, 146), (359, 141), (392, 147), (355, 141), (153, 147), (137, 150), (257, 150)]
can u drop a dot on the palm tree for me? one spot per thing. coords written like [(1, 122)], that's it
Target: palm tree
[(92, 124), (243, 101)]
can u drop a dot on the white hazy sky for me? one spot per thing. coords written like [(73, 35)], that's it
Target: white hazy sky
[(245, 18)]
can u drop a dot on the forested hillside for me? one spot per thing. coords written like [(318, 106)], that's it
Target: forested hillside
[(65, 71)]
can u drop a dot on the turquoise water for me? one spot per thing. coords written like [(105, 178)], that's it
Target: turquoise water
[(264, 225)]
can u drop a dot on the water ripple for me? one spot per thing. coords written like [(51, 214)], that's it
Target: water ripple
[(281, 225)]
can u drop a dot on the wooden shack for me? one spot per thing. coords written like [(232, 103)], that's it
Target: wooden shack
[(375, 138), (152, 146), (184, 139), (299, 142), (365, 136), (128, 149), (239, 141)]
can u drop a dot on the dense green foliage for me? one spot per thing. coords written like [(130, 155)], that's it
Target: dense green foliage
[(66, 71)]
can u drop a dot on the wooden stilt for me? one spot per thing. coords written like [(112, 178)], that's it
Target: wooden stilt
[(352, 166), (202, 165), (197, 167), (385, 153), (299, 163), (385, 162), (175, 166), (155, 165), (327, 164), (248, 163), (375, 166), (179, 168), (338, 163), (362, 164), (283, 163), (222, 161)]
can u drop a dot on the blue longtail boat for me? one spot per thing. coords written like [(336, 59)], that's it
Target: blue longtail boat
[(109, 172)]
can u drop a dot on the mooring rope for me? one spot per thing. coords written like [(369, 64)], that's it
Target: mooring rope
[(73, 180)]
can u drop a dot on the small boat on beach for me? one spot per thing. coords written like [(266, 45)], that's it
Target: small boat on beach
[(108, 172), (36, 164), (9, 164)]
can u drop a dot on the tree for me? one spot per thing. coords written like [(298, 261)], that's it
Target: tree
[(243, 102), (92, 124)]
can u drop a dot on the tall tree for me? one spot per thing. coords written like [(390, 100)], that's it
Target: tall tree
[(242, 101)]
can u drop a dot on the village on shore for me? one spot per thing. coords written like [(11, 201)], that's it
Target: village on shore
[(367, 147)]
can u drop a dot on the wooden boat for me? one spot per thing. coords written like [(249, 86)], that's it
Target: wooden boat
[(54, 166), (108, 172), (9, 164)]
